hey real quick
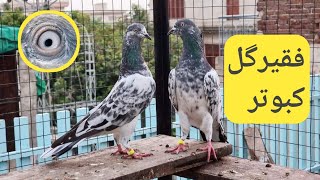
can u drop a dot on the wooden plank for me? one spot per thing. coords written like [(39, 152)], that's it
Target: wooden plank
[(63, 125), (43, 130), (256, 147), (3, 139), (43, 134), (283, 144), (242, 148), (83, 147), (317, 131), (231, 135), (293, 145), (302, 145), (273, 142), (22, 141), (100, 165), (3, 147), (244, 169)]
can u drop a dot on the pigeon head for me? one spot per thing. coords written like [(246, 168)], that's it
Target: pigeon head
[(137, 31), (186, 28), (190, 35), (132, 60)]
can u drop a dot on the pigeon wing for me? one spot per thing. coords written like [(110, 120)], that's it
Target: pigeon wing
[(172, 89), (214, 103)]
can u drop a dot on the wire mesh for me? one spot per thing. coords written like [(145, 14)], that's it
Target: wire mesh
[(295, 146), (58, 100)]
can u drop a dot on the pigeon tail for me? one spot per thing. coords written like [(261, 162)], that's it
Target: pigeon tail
[(59, 150), (67, 141)]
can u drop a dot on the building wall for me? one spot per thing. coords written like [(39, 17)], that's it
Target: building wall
[(293, 17), (207, 13), (106, 15), (211, 17)]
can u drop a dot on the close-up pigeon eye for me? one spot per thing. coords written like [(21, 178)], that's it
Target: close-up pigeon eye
[(48, 41), (182, 24), (136, 30)]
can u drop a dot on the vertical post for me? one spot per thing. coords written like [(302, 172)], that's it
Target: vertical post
[(162, 66), (161, 46)]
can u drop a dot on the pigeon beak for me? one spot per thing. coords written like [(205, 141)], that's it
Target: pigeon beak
[(146, 35), (172, 31)]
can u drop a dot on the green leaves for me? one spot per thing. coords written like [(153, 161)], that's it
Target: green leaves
[(11, 17), (70, 85)]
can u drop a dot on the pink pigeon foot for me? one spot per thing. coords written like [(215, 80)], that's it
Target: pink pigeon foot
[(119, 151), (209, 148), (135, 155), (179, 148)]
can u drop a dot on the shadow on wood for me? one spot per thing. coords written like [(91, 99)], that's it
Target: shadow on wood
[(100, 165)]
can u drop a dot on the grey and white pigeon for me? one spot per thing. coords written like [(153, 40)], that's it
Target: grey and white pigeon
[(118, 112), (194, 89)]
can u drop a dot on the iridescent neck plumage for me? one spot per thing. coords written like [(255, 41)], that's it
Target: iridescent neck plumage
[(132, 60), (192, 47)]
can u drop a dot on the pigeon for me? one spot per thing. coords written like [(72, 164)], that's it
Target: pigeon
[(118, 112), (194, 90)]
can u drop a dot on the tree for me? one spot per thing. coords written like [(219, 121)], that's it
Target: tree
[(11, 17), (69, 85), (108, 53)]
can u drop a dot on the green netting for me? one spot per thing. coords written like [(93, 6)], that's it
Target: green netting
[(41, 84), (8, 38)]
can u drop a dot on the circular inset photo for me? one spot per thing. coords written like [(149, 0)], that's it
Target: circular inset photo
[(48, 41)]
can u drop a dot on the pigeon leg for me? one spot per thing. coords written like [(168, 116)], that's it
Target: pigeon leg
[(134, 155), (209, 148), (182, 146), (119, 151), (185, 125)]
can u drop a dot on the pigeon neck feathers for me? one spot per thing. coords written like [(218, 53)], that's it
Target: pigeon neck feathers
[(192, 46), (132, 60)]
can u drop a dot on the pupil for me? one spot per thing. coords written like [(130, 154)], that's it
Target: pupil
[(48, 42)]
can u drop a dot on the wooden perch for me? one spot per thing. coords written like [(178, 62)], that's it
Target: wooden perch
[(256, 147), (244, 169), (100, 165)]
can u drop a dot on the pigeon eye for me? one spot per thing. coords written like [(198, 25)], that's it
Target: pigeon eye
[(135, 30), (182, 24), (49, 40)]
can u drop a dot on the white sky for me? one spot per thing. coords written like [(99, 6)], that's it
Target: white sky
[(89, 4)]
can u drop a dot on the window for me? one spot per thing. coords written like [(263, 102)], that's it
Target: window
[(176, 9), (232, 7), (212, 51)]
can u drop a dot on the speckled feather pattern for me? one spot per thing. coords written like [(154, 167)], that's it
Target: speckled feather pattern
[(118, 112), (194, 87)]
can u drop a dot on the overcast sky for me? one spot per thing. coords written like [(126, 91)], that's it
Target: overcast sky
[(88, 4)]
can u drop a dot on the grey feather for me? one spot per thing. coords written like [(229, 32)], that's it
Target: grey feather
[(172, 89)]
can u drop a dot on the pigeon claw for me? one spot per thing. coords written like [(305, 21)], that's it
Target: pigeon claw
[(119, 151), (209, 148), (179, 148)]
